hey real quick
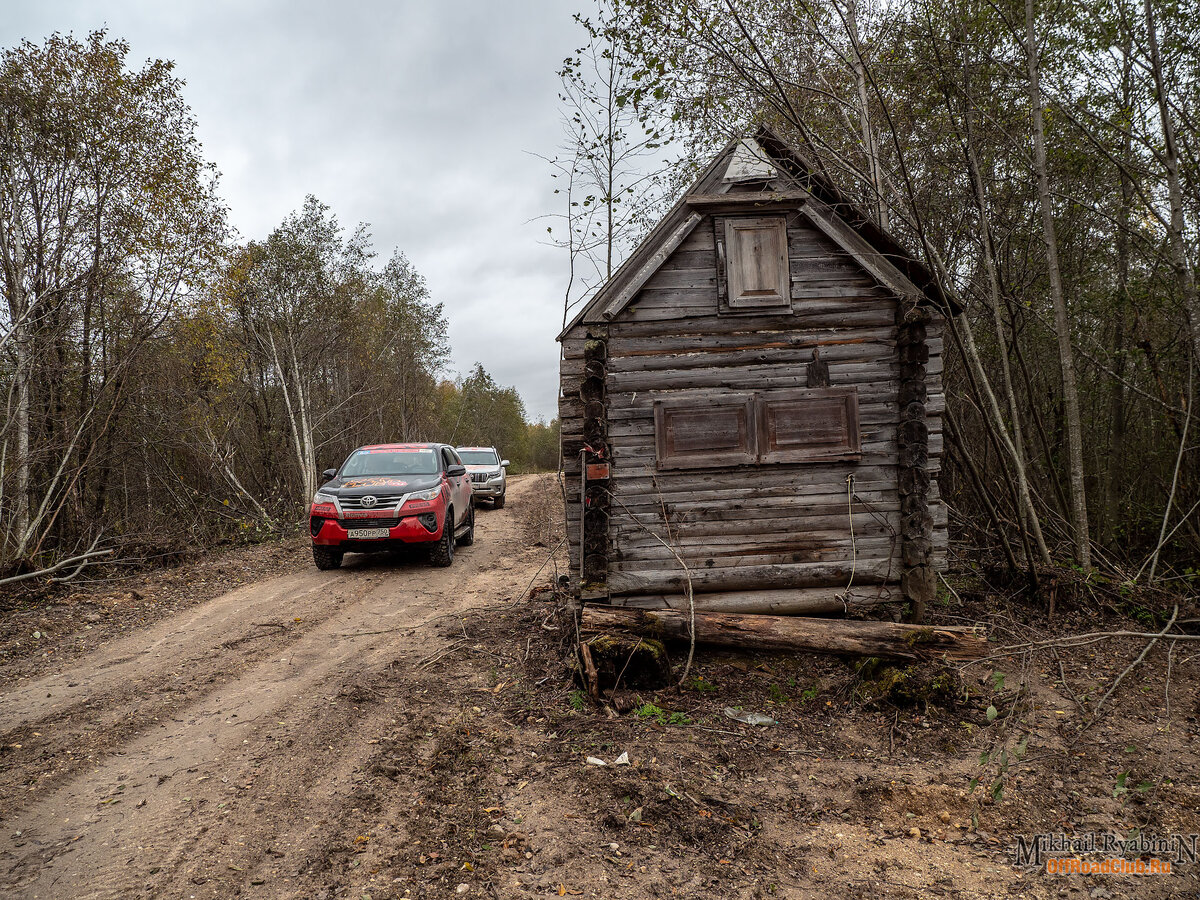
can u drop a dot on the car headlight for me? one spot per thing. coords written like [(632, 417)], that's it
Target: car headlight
[(495, 476), (431, 494), (325, 498)]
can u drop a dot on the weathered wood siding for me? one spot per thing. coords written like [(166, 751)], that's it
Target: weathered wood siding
[(768, 525)]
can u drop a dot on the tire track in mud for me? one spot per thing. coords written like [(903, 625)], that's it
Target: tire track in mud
[(67, 721), (264, 750)]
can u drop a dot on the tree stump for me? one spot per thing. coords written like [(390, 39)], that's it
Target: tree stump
[(627, 662)]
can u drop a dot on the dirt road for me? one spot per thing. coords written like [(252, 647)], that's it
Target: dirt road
[(391, 731), (193, 756)]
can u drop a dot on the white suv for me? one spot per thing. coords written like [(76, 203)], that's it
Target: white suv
[(488, 478)]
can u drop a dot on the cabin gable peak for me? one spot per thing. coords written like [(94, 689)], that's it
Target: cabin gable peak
[(762, 177)]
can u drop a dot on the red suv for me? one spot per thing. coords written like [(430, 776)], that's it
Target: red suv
[(386, 496)]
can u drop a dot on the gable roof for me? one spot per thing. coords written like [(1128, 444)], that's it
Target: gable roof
[(761, 159)]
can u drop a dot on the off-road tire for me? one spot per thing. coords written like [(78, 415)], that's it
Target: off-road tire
[(498, 503), (442, 553), (469, 538), (326, 558)]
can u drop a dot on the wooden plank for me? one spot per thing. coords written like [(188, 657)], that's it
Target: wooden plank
[(637, 436), (682, 309), (870, 552), (751, 577), (698, 280), (771, 481), (700, 240), (781, 507), (872, 414), (874, 392), (807, 533), (867, 256), (745, 200), (643, 273), (743, 378), (805, 521), (829, 316), (807, 602), (736, 572), (845, 339)]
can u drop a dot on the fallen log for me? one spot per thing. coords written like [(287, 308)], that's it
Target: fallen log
[(759, 632)]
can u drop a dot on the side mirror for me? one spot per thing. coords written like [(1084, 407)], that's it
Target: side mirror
[(329, 473), (504, 464), (455, 471)]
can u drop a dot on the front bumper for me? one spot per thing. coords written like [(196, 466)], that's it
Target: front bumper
[(410, 529), (487, 489)]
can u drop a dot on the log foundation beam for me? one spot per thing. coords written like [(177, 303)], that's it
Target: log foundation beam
[(794, 633)]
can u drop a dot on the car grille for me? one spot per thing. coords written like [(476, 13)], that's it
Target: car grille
[(381, 500), (479, 477), (369, 523)]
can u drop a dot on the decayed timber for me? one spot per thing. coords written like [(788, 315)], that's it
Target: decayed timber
[(811, 602), (665, 577), (843, 309), (794, 633)]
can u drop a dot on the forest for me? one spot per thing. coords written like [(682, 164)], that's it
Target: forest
[(165, 377), (167, 383), (1041, 159)]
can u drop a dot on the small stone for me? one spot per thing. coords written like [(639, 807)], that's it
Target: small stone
[(496, 829), (944, 817), (914, 833), (462, 888)]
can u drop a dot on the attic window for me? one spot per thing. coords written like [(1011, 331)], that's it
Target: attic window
[(756, 262), (793, 426)]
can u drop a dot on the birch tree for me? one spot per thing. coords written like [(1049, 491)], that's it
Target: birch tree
[(107, 214)]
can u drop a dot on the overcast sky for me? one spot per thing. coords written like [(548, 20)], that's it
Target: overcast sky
[(417, 117)]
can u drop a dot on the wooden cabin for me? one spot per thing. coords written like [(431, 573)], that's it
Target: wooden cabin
[(752, 404)]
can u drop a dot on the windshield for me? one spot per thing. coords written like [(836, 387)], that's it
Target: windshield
[(391, 462), (478, 457)]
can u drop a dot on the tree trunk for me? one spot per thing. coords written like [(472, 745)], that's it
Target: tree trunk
[(1015, 443), (21, 516), (784, 633), (1183, 272), (870, 144), (1062, 325), (1116, 408)]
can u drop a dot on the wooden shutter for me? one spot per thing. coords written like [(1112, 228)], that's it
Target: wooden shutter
[(756, 262), (814, 425), (696, 433)]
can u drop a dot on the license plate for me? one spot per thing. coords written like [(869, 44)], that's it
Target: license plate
[(367, 533)]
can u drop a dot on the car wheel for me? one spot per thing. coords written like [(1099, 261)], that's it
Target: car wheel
[(442, 553), (326, 558), (498, 503), (469, 538)]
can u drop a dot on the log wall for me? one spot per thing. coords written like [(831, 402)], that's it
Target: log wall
[(744, 528)]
